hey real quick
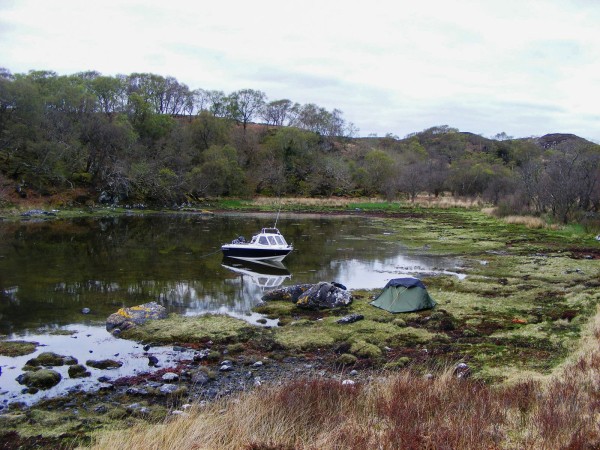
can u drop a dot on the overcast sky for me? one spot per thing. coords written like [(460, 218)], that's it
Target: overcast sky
[(485, 66)]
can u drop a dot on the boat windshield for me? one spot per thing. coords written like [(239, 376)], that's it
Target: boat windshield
[(263, 240), (272, 240), (280, 240)]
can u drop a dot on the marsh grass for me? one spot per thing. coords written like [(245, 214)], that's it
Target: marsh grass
[(373, 203), (399, 410)]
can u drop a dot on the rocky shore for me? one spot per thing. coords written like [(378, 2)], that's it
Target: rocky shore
[(208, 371)]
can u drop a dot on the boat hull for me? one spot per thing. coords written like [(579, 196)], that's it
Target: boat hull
[(255, 254)]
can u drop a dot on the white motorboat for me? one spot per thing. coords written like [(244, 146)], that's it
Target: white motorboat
[(268, 245)]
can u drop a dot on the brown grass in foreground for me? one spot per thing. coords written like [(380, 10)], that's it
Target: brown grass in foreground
[(398, 411)]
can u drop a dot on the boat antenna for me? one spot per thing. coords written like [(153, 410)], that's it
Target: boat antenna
[(278, 211)]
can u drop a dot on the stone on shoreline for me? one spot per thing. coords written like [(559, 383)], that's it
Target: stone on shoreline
[(51, 359), (322, 295), (78, 371), (350, 319), (103, 364), (289, 293), (40, 379), (126, 318)]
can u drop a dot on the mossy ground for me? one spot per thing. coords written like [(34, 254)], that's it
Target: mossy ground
[(17, 348), (520, 311), (197, 329), (521, 307)]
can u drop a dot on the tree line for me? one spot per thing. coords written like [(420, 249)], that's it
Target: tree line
[(145, 138)]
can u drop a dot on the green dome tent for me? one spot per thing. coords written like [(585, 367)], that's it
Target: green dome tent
[(404, 295)]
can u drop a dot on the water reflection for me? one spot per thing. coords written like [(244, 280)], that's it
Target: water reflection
[(50, 271), (264, 274)]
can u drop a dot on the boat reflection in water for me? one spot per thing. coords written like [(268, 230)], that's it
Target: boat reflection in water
[(264, 274)]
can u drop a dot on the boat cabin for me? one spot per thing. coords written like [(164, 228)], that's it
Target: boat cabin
[(268, 236)]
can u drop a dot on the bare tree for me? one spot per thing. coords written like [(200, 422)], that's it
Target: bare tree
[(245, 104)]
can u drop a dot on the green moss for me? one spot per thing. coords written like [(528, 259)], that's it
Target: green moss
[(17, 348), (40, 379), (174, 329), (399, 363), (213, 356), (47, 359), (399, 322), (346, 359), (275, 309), (363, 349), (236, 348)]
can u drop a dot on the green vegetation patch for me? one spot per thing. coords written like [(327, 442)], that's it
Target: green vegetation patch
[(315, 334), (174, 329), (17, 348)]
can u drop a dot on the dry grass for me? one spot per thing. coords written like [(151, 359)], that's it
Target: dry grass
[(332, 202), (401, 410), (529, 221), (424, 201), (448, 201)]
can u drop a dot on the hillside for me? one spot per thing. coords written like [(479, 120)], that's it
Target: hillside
[(86, 139)]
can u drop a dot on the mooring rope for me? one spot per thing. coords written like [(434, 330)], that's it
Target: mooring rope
[(208, 254)]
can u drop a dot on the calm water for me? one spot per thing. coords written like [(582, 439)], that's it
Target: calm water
[(51, 270)]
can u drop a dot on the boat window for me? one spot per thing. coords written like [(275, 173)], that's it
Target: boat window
[(263, 240), (279, 240), (272, 240)]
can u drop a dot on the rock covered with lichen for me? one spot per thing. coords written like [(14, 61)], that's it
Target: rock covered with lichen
[(126, 318)]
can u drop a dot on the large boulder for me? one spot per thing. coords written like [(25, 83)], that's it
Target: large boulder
[(289, 293), (126, 318), (324, 295)]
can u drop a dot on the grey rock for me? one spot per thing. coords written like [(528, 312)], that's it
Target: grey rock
[(324, 295), (462, 370), (350, 319), (168, 389), (101, 409), (289, 293), (136, 391), (170, 377), (199, 378), (202, 354)]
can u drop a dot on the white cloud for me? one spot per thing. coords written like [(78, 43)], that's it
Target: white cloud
[(391, 66)]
